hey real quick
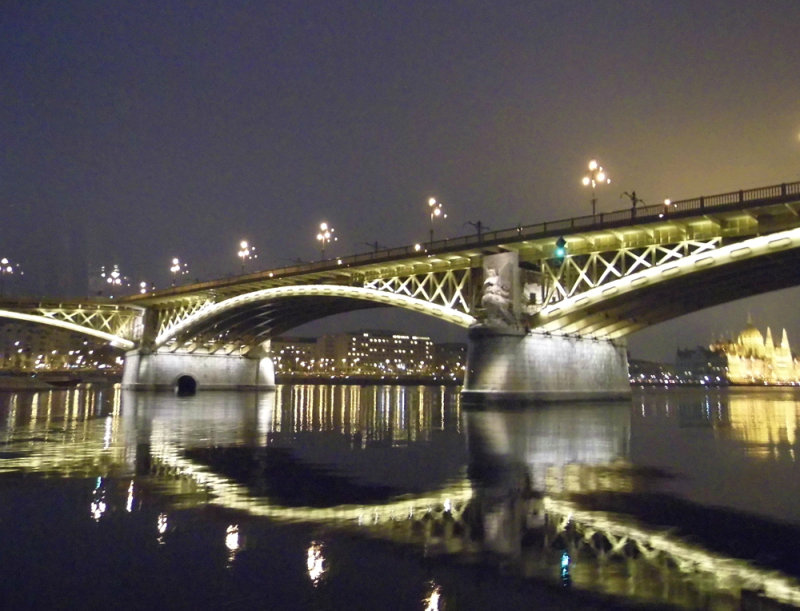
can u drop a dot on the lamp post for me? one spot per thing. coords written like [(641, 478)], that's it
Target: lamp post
[(8, 268), (324, 236), (178, 269), (436, 211), (246, 252), (596, 176)]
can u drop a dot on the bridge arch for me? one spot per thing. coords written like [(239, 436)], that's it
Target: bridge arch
[(217, 313), (114, 340)]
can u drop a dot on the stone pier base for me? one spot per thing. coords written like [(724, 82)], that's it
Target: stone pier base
[(167, 371), (534, 367)]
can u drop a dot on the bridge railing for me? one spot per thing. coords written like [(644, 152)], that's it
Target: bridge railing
[(745, 198), (629, 216)]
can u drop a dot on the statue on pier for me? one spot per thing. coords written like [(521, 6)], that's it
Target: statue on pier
[(497, 298)]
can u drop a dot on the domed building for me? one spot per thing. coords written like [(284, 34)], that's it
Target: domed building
[(753, 359)]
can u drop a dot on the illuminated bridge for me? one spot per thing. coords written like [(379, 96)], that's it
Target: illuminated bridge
[(530, 308)]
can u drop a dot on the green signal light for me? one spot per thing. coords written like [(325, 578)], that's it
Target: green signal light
[(561, 248)]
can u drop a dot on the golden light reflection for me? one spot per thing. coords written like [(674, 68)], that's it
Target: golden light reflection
[(433, 600), (232, 541), (768, 428), (129, 501), (726, 573), (98, 505), (316, 563), (161, 527)]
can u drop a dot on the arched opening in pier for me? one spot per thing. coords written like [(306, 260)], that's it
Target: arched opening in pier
[(185, 386)]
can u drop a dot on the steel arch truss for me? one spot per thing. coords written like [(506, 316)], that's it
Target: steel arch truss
[(450, 288), (270, 311), (580, 273), (678, 285), (121, 326), (172, 317)]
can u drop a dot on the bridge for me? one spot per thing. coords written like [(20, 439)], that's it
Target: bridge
[(543, 322)]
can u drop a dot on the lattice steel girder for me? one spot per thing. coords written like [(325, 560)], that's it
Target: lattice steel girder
[(450, 288), (119, 325), (580, 273), (658, 293), (171, 317)]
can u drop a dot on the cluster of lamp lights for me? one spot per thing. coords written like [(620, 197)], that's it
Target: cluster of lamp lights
[(325, 236), (178, 269), (114, 277), (436, 210), (8, 268), (247, 252), (596, 176)]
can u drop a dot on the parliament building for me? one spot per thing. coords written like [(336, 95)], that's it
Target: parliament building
[(754, 359)]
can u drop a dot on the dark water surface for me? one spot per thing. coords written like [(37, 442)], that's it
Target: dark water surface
[(398, 497)]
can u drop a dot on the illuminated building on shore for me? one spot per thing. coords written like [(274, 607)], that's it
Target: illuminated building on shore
[(368, 353), (375, 352), (754, 359), (28, 347)]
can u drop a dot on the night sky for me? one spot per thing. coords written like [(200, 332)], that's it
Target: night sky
[(134, 132)]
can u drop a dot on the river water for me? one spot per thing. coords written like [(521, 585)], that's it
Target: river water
[(398, 497)]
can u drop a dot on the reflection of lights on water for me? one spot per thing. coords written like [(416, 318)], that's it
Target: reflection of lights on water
[(315, 562), (434, 598), (566, 580), (232, 537), (98, 505), (129, 503), (232, 541), (107, 435), (161, 526)]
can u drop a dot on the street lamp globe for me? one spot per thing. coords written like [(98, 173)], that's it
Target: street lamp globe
[(325, 236), (436, 209), (596, 176), (246, 252), (177, 268)]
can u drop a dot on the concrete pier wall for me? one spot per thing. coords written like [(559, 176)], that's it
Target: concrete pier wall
[(543, 368), (161, 371)]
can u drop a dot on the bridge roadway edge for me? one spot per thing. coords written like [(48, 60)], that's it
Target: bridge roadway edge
[(161, 371), (508, 365)]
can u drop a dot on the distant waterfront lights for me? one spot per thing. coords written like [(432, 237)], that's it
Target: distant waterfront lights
[(325, 236), (596, 176), (437, 211)]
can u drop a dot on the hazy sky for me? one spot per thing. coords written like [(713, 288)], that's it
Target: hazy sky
[(133, 132)]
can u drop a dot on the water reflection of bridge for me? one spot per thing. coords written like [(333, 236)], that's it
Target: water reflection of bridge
[(497, 508)]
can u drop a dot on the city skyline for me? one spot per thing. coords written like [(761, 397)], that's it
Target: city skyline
[(136, 134)]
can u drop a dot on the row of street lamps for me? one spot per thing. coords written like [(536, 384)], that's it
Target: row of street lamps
[(595, 177)]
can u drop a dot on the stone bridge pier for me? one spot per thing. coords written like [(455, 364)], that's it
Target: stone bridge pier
[(529, 366), (507, 361), (187, 372)]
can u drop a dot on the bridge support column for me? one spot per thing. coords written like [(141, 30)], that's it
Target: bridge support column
[(166, 371), (535, 367)]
